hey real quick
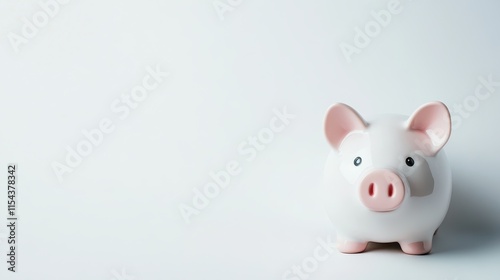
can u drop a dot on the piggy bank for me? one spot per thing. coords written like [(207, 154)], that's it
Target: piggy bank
[(387, 180)]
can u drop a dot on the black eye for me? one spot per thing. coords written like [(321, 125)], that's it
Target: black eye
[(357, 161), (410, 161)]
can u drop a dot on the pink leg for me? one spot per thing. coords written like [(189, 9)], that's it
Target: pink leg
[(416, 248), (350, 247)]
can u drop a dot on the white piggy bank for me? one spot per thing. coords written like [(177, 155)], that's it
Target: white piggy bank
[(387, 180)]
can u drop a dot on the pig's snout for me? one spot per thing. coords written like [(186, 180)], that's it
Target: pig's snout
[(382, 190)]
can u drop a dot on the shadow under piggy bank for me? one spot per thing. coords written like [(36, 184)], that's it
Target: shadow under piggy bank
[(472, 222)]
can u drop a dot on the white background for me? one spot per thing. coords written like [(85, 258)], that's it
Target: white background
[(116, 216)]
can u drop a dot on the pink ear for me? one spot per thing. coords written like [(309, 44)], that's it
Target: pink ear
[(433, 119), (341, 120)]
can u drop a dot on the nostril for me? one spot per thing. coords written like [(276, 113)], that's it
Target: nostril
[(371, 189), (390, 191)]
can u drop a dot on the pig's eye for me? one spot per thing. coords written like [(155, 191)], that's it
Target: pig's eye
[(357, 161), (410, 161)]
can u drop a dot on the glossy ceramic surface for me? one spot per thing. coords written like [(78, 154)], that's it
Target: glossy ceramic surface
[(387, 180)]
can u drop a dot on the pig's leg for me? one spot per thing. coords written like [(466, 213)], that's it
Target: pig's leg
[(417, 248), (349, 246)]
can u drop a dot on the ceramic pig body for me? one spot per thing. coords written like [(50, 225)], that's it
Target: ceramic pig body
[(388, 180)]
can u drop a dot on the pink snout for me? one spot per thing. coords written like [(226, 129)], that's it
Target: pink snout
[(382, 190)]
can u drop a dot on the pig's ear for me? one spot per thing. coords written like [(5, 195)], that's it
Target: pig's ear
[(433, 119), (341, 120)]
